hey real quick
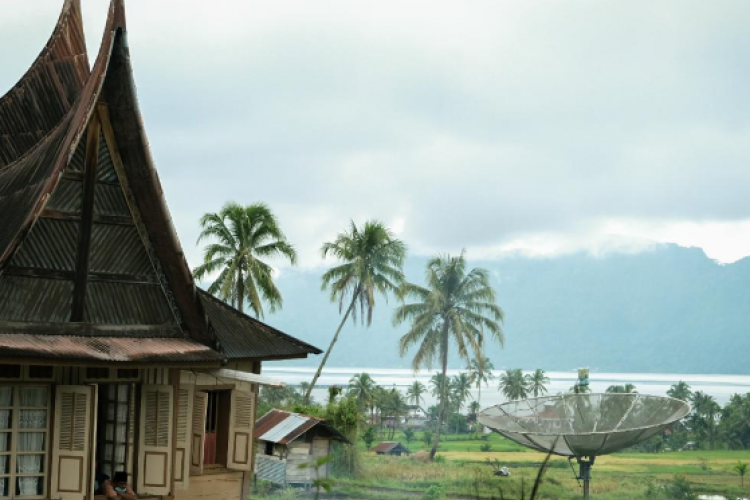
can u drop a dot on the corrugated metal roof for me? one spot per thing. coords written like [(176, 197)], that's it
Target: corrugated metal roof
[(243, 337), (283, 427), (41, 98), (109, 349), (291, 423)]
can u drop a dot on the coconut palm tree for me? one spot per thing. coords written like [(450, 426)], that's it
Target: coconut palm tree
[(360, 387), (242, 237), (537, 382), (371, 261), (480, 373), (455, 307), (621, 389), (474, 407), (415, 393), (461, 386), (681, 390), (741, 469), (513, 384)]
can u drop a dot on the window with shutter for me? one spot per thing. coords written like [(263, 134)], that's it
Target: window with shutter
[(198, 435), (183, 437), (241, 430), (75, 413), (155, 450)]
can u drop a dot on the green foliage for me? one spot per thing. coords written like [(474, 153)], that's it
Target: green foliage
[(409, 435), (319, 483), (427, 437), (681, 390), (680, 489), (536, 382), (741, 469), (513, 384), (242, 237), (485, 447), (346, 418), (369, 436), (439, 459), (621, 389), (434, 492)]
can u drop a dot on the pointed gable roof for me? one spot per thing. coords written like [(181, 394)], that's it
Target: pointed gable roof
[(44, 95), (87, 246)]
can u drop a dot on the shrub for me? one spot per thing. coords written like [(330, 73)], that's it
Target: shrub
[(485, 447), (434, 492)]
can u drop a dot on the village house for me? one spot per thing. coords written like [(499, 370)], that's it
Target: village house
[(290, 440), (392, 448), (111, 359)]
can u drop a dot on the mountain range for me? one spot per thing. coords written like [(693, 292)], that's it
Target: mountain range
[(665, 310)]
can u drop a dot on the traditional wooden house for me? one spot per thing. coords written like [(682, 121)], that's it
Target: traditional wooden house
[(391, 448), (286, 441), (110, 357)]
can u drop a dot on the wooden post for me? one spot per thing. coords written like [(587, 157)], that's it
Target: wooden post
[(87, 217)]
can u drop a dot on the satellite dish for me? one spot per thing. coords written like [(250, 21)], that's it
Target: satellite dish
[(583, 426)]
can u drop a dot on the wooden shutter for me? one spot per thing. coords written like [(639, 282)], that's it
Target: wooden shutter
[(241, 422), (183, 434), (75, 418), (198, 435), (155, 440)]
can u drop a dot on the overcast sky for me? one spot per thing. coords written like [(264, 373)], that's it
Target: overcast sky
[(539, 127)]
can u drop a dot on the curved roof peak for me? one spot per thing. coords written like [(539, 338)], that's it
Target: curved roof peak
[(45, 94)]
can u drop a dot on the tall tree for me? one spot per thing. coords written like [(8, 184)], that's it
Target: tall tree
[(681, 390), (242, 237), (415, 393), (480, 373), (461, 389), (537, 382), (361, 387), (456, 307), (371, 261), (741, 469), (621, 389), (513, 384)]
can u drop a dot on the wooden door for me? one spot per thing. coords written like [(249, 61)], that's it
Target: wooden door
[(200, 402), (241, 421), (183, 434)]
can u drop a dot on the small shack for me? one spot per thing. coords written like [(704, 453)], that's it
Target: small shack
[(391, 448), (287, 440)]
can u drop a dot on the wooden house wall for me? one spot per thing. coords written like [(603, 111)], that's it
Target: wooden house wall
[(298, 453), (227, 485)]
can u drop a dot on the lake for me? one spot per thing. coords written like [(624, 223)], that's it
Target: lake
[(720, 387)]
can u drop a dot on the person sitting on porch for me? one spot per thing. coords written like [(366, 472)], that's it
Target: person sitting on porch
[(118, 488)]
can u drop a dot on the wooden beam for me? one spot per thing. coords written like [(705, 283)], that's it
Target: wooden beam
[(87, 218), (98, 219), (55, 274), (92, 330)]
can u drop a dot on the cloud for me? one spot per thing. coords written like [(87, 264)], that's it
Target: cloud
[(492, 126)]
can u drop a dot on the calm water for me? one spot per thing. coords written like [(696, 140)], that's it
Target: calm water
[(719, 386)]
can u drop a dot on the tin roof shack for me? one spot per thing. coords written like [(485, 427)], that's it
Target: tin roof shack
[(109, 353), (391, 448), (286, 441)]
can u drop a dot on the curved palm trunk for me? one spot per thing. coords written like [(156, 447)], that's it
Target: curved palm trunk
[(443, 393), (330, 347)]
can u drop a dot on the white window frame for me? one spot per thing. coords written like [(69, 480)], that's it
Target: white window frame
[(15, 431)]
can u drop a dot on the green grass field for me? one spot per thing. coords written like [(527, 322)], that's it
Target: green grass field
[(464, 474)]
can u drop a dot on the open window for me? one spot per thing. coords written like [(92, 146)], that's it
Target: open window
[(222, 430)]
